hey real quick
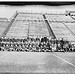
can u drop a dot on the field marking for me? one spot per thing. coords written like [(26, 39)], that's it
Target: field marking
[(64, 60), (4, 55)]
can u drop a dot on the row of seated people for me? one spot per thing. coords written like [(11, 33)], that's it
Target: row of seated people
[(36, 45)]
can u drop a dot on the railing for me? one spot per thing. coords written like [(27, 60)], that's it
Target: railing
[(49, 28)]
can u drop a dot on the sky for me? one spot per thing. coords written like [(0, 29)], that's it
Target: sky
[(8, 11)]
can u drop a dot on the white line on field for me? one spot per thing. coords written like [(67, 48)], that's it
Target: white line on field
[(4, 55), (64, 60)]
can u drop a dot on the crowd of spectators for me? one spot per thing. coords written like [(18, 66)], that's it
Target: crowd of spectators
[(43, 44)]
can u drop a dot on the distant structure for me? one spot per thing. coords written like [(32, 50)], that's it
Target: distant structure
[(3, 19), (71, 13)]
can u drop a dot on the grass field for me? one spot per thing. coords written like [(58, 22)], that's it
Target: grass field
[(37, 62)]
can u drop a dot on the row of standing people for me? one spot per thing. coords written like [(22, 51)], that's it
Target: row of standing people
[(36, 45)]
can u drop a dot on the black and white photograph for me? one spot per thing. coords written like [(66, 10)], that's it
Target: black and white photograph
[(37, 37)]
